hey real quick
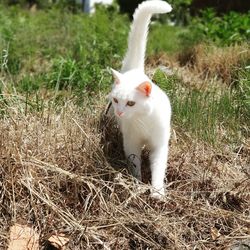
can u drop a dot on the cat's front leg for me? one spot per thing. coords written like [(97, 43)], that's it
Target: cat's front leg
[(132, 149), (158, 165)]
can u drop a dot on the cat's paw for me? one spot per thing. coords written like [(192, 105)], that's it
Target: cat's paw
[(157, 194)]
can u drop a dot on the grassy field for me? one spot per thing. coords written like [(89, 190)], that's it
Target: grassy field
[(62, 166)]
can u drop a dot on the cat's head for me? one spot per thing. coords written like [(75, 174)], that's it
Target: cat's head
[(131, 94)]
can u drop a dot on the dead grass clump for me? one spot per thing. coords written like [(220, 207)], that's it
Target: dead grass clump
[(157, 60), (56, 176), (214, 62)]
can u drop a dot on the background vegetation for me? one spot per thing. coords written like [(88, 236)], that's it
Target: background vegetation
[(56, 153)]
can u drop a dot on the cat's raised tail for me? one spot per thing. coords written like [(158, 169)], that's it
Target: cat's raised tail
[(134, 58)]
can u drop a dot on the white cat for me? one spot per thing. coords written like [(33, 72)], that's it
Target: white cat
[(143, 110)]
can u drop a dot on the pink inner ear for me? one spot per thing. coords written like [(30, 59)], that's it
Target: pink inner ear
[(145, 88), (116, 81)]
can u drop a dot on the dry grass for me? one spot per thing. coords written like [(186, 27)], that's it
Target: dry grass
[(210, 62), (205, 65), (56, 175)]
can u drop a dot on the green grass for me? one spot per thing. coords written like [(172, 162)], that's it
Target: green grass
[(57, 157), (65, 54), (73, 49), (217, 116), (164, 38)]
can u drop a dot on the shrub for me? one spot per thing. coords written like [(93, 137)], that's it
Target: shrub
[(181, 11), (223, 30)]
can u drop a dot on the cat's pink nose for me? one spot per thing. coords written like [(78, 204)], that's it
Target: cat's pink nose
[(120, 113)]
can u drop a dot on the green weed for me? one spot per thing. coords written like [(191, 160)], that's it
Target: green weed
[(46, 41), (66, 55), (164, 38), (214, 115), (223, 30)]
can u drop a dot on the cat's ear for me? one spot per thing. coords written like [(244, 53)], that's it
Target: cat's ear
[(116, 75), (145, 88)]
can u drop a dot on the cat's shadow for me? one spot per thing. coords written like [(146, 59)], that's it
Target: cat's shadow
[(111, 142), (112, 146)]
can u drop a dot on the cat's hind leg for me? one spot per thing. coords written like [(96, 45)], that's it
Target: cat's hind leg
[(158, 165)]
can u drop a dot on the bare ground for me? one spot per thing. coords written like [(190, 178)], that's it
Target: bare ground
[(58, 175)]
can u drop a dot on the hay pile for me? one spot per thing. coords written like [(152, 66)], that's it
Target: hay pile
[(56, 175)]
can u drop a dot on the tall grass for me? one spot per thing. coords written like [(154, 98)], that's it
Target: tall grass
[(56, 46), (67, 54), (215, 115)]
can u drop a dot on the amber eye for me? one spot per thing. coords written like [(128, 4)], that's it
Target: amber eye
[(130, 103), (115, 100)]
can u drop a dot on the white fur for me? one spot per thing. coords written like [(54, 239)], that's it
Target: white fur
[(134, 58), (148, 121)]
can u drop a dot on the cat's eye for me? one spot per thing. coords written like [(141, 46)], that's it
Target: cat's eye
[(115, 100), (130, 103)]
